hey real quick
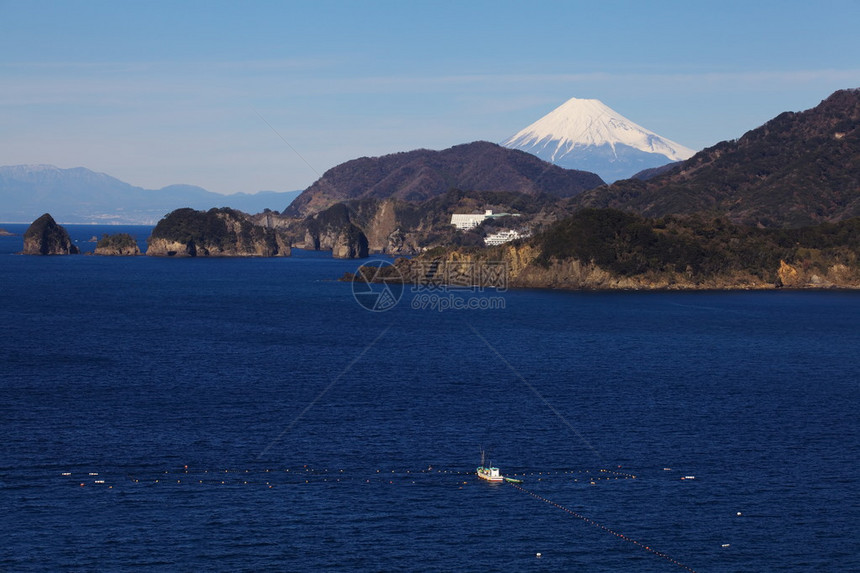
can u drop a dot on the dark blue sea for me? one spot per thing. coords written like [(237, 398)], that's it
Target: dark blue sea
[(250, 414)]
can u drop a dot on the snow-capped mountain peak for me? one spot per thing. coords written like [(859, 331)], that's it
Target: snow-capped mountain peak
[(582, 131)]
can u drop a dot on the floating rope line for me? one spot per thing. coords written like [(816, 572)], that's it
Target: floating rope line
[(289, 476), (284, 476), (606, 529), (310, 474)]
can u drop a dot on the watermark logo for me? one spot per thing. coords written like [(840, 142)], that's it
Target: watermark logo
[(437, 285), (377, 286), (451, 301), (472, 276)]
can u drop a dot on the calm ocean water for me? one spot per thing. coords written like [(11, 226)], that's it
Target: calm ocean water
[(248, 414)]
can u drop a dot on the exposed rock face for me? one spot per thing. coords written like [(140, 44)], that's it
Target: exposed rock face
[(334, 230), (522, 271), (350, 244), (45, 237), (119, 245), (836, 275), (787, 275), (160, 247), (214, 233)]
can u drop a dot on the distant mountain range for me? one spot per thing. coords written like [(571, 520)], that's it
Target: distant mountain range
[(79, 195), (416, 176), (797, 169), (588, 135)]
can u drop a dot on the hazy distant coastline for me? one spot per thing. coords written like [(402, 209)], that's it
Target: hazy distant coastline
[(81, 196)]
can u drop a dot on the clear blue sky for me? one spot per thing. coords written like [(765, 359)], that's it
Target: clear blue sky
[(155, 93)]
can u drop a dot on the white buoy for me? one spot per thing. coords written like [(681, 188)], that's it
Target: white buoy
[(740, 514), (538, 555)]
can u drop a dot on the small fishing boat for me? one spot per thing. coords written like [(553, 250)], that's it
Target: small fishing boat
[(513, 480), (486, 472)]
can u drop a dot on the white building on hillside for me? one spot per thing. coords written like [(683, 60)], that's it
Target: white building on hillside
[(466, 221), (503, 237), (470, 220)]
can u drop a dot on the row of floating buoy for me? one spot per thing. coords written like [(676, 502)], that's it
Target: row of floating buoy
[(306, 474), (309, 474), (571, 472), (311, 470), (267, 477), (234, 482), (606, 529)]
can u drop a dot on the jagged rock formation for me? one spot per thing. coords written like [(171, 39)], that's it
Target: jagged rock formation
[(371, 225), (45, 237), (416, 176), (797, 169), (350, 244), (214, 233), (121, 245)]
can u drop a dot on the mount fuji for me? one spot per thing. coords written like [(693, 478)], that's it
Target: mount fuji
[(588, 135)]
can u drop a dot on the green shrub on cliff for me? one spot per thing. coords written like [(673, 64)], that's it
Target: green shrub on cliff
[(217, 232), (187, 225), (627, 244), (118, 241), (203, 227)]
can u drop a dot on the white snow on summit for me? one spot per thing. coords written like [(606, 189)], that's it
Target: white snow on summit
[(578, 124)]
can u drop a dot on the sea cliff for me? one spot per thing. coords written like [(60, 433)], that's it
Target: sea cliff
[(522, 271), (351, 243), (214, 233)]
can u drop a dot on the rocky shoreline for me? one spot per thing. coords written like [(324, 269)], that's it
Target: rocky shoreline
[(515, 271)]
